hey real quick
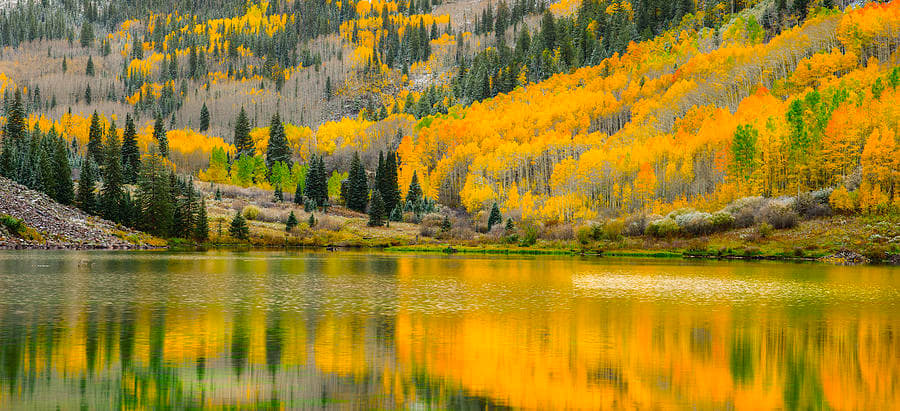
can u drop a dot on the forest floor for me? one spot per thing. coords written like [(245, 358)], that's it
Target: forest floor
[(839, 239)]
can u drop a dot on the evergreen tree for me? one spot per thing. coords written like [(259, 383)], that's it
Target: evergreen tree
[(154, 197), (65, 65), (85, 198), (131, 156), (201, 226), (111, 194), (89, 68), (239, 227), (311, 222), (87, 34), (298, 194), (495, 217), (358, 186), (376, 210), (159, 134), (95, 140), (14, 133), (279, 196), (277, 150), (65, 192), (88, 95), (390, 189), (242, 141), (204, 118), (317, 181), (291, 222), (414, 194)]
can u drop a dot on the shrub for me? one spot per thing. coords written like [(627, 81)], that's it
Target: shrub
[(744, 210), (558, 231), (663, 228), (529, 234), (250, 212), (613, 229), (585, 234), (812, 205), (270, 215), (721, 221), (694, 223), (778, 214), (14, 225), (635, 225), (764, 230), (842, 200)]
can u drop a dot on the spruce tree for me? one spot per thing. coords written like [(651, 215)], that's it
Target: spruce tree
[(131, 156), (111, 194), (154, 199), (95, 140), (376, 210), (390, 190), (14, 133), (87, 179), (311, 222), (89, 69), (242, 141), (298, 194), (239, 227), (159, 134), (414, 194), (204, 117), (201, 226), (279, 195), (317, 181), (277, 150), (65, 192), (358, 186), (495, 217), (65, 65), (87, 34), (291, 222)]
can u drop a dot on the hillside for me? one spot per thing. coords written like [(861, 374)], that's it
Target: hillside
[(45, 224)]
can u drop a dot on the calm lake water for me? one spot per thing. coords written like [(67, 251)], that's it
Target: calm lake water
[(102, 330)]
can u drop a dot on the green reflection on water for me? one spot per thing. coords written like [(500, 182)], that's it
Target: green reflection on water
[(347, 330)]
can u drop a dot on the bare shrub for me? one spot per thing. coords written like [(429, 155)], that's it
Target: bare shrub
[(273, 215), (744, 210), (559, 232), (778, 214), (813, 204), (695, 223)]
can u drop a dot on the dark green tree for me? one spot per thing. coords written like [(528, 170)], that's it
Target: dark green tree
[(495, 217), (87, 34), (239, 227), (291, 222), (376, 210), (159, 134), (111, 194), (95, 140), (131, 156), (201, 225), (390, 189), (89, 68), (155, 203), (317, 181), (65, 192), (87, 180), (414, 194), (357, 186), (242, 141), (204, 118), (277, 150)]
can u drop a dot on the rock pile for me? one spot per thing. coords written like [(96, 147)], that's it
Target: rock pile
[(62, 227)]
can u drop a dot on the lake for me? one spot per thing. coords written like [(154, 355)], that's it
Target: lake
[(101, 330)]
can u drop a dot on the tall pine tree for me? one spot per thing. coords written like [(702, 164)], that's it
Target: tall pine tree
[(159, 134), (87, 179), (242, 141), (65, 192), (95, 140), (204, 115), (131, 156), (277, 150), (111, 194), (358, 186)]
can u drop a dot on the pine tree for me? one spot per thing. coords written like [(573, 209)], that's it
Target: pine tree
[(291, 222), (376, 210), (14, 133), (88, 95), (111, 194), (277, 150), (311, 222), (89, 68), (154, 197), (242, 141), (239, 227), (65, 192), (131, 156), (201, 226), (414, 194), (390, 190), (317, 181), (65, 65), (204, 117), (358, 186), (87, 34), (159, 134), (495, 217), (85, 198), (298, 194), (279, 195)]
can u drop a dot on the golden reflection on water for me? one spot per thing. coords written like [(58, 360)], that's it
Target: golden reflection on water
[(300, 330)]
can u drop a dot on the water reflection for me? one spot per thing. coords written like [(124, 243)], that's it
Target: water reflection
[(296, 330)]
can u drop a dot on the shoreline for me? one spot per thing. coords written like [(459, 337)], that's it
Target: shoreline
[(840, 258)]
